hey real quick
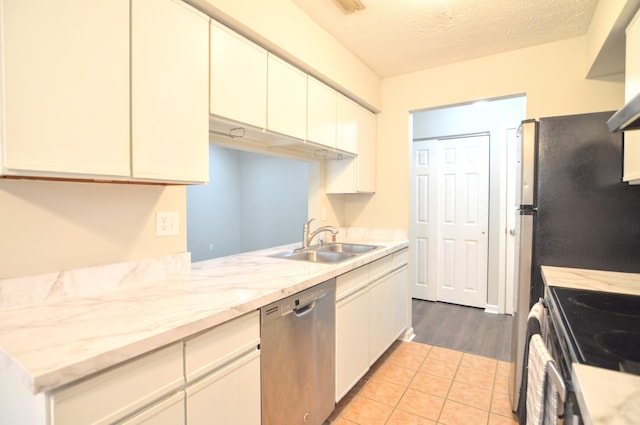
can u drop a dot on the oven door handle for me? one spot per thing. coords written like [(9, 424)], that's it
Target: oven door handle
[(554, 374)]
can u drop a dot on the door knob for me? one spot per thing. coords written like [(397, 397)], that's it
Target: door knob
[(512, 232)]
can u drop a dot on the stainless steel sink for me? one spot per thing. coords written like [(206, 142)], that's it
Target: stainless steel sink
[(349, 248), (315, 256), (331, 253)]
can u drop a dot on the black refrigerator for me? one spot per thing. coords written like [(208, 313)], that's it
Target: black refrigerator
[(578, 214)]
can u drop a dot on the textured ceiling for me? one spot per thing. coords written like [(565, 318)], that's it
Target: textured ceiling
[(398, 36)]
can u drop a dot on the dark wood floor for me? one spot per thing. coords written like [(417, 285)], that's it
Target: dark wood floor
[(461, 328)]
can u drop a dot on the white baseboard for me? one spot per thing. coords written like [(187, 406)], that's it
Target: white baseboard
[(491, 308), (408, 335)]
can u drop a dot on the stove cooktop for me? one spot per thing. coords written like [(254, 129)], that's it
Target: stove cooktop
[(605, 327)]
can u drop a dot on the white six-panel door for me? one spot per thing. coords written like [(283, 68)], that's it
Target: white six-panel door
[(449, 219)]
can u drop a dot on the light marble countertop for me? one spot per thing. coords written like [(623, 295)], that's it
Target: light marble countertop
[(52, 343), (606, 397)]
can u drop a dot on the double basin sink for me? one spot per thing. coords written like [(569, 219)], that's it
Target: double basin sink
[(330, 253)]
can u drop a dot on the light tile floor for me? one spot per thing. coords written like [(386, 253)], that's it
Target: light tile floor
[(420, 384)]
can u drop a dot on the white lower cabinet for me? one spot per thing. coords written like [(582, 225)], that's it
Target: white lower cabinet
[(230, 395), (400, 300), (380, 308), (388, 309), (223, 365), (352, 340), (112, 395), (210, 378), (371, 313)]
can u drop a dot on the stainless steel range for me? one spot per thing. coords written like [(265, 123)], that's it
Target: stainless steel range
[(602, 328), (595, 328)]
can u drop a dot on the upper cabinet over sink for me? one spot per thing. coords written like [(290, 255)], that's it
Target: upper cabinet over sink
[(260, 102), (238, 77), (99, 90), (286, 99), (321, 113)]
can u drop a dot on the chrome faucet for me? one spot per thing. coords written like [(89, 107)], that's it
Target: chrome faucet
[(308, 237)]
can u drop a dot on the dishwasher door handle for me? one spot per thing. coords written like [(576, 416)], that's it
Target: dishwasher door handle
[(308, 307), (305, 309)]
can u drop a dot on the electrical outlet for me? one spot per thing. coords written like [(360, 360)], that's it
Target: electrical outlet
[(167, 223)]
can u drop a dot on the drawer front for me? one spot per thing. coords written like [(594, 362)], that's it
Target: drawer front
[(351, 281), (118, 392), (168, 411), (381, 267), (400, 258), (231, 395), (221, 344)]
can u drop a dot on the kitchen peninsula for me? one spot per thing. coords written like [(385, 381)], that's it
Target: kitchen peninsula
[(54, 343)]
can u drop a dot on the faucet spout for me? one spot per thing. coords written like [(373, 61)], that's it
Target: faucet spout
[(308, 237)]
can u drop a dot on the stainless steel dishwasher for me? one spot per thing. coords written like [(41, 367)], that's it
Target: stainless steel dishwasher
[(297, 352)]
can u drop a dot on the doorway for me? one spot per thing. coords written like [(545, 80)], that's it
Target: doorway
[(450, 193), (459, 272)]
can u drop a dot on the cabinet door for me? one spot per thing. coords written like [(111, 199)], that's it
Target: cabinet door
[(321, 113), (400, 301), (366, 160), (347, 121), (381, 317), (352, 341), (286, 99), (238, 77), (66, 88), (230, 395), (356, 133), (170, 91)]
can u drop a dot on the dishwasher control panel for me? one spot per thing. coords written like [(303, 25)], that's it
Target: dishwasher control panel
[(296, 301)]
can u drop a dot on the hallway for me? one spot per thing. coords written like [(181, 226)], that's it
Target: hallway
[(466, 329)]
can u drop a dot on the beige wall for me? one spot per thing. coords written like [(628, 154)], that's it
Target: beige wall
[(48, 226), (551, 76)]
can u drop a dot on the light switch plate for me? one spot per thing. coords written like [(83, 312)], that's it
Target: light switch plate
[(167, 223)]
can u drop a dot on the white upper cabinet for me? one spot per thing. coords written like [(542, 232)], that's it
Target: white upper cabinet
[(286, 99), (170, 91), (238, 77), (105, 90), (347, 115), (632, 88), (366, 160), (66, 88), (356, 133), (321, 113)]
